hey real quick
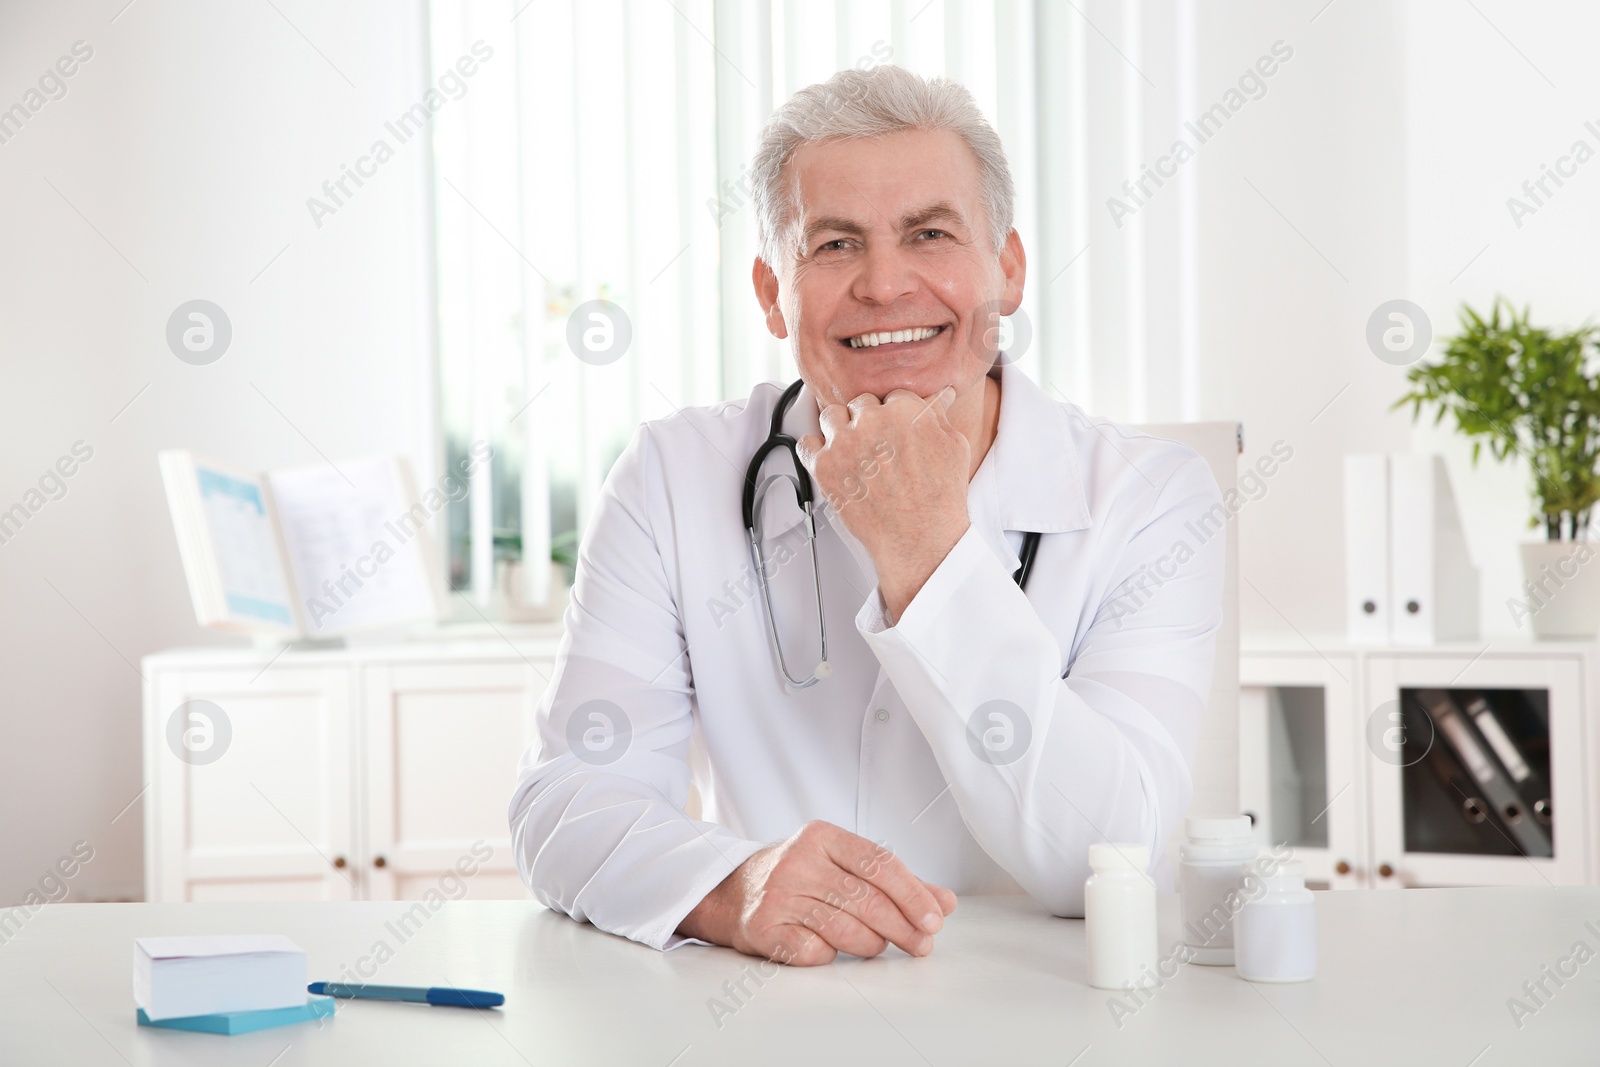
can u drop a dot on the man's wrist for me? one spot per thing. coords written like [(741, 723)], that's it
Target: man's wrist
[(709, 919), (900, 581), (697, 923)]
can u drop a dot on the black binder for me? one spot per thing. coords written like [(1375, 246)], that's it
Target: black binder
[(1444, 810), (1456, 731), (1496, 725)]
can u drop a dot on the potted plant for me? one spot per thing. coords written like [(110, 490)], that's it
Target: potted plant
[(509, 599), (1534, 393)]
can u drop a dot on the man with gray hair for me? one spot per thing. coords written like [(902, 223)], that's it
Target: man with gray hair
[(957, 553)]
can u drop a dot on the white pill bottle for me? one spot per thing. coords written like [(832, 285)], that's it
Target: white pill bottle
[(1119, 911), (1275, 936), (1208, 881)]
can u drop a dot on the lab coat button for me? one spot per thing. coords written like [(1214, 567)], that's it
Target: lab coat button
[(883, 715)]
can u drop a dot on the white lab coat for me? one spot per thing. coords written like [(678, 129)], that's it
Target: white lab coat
[(1107, 658)]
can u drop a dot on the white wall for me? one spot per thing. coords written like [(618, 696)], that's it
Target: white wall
[(1390, 142), (191, 141), (1484, 119), (1283, 313)]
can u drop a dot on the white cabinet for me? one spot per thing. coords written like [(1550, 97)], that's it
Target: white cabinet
[(1299, 772), (359, 774), (261, 808), (1339, 760), (442, 742), (1557, 681)]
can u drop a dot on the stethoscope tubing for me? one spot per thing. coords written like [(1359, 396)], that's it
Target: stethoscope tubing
[(805, 495)]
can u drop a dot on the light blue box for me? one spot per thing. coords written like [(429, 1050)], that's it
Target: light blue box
[(243, 1022)]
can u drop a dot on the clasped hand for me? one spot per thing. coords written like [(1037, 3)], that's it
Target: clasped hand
[(823, 891)]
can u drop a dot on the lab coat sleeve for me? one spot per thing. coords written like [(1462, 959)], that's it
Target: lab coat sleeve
[(1042, 766), (597, 818)]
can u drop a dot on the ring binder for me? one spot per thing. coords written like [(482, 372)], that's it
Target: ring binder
[(1492, 781)]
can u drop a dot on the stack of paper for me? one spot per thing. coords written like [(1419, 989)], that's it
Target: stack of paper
[(177, 980)]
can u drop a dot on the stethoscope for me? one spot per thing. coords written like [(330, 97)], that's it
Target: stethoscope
[(755, 494)]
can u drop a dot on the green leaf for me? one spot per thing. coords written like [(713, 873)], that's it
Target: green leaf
[(1526, 391)]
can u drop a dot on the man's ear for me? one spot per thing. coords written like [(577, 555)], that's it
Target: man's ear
[(1014, 269), (766, 284)]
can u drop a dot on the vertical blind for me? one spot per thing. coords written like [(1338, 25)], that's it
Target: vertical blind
[(602, 153)]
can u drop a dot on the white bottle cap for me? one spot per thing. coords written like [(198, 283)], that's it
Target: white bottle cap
[(1198, 829), (1110, 857), (1290, 875)]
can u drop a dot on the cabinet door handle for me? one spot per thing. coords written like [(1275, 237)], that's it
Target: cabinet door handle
[(379, 861), (1342, 867), (1385, 871), (339, 861)]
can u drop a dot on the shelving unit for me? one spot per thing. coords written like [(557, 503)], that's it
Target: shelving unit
[(1331, 761)]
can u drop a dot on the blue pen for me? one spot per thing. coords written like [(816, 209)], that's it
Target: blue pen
[(445, 995)]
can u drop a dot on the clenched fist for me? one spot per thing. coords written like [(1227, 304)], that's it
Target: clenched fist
[(896, 472)]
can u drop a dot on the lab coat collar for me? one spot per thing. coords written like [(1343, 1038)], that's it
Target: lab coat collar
[(1030, 480), (1036, 477)]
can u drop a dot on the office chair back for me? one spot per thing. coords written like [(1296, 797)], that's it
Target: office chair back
[(1216, 762)]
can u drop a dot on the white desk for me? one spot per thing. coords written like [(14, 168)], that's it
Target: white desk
[(1417, 977)]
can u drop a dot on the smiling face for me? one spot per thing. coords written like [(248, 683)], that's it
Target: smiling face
[(894, 278)]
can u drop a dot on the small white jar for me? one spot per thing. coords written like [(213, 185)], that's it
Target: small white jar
[(1119, 911), (1275, 936), (1208, 881)]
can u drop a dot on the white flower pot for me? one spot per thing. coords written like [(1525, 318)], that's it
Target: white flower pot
[(509, 603), (1560, 589)]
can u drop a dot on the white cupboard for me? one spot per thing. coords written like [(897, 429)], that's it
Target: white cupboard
[(351, 774), (1331, 764)]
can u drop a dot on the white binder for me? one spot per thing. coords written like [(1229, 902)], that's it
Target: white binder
[(1366, 548), (1433, 584)]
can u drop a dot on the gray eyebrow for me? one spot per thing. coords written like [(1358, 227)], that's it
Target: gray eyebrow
[(939, 211)]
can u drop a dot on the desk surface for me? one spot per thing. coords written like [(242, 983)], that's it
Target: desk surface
[(1414, 976)]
